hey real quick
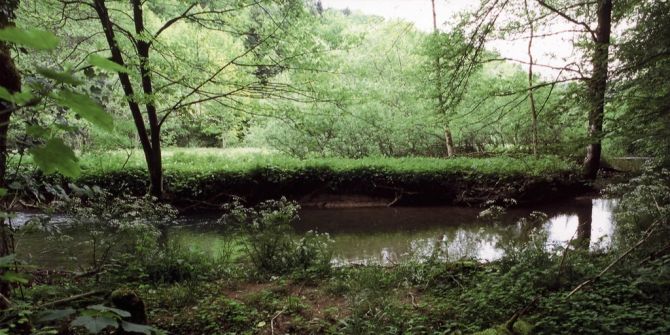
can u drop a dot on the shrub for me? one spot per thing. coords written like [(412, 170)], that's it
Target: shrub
[(270, 244)]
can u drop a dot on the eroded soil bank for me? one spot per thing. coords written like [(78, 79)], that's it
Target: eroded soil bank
[(327, 188)]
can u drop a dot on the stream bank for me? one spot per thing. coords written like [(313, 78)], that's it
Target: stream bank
[(329, 188)]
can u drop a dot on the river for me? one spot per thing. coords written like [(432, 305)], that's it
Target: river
[(389, 235)]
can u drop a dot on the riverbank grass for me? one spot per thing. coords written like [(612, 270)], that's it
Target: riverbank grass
[(246, 160)]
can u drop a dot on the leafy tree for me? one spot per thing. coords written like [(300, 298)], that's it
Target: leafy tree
[(152, 55), (641, 91)]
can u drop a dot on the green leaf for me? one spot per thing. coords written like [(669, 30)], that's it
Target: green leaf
[(106, 64), (137, 328), (56, 156), (55, 314), (5, 95), (14, 277), (116, 311), (94, 324), (32, 38), (38, 131), (6, 261), (86, 108), (17, 98), (3, 192), (22, 97), (61, 77)]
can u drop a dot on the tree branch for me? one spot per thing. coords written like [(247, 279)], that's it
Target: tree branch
[(567, 17)]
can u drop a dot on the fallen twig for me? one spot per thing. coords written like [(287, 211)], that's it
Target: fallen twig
[(644, 238), (510, 323), (69, 299), (272, 321), (4, 302), (413, 300), (565, 253)]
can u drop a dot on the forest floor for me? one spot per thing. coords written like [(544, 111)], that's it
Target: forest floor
[(432, 298)]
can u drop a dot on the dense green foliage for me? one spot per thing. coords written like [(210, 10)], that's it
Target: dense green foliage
[(226, 105), (207, 161), (212, 176), (250, 295)]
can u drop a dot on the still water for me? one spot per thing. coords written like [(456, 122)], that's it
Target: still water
[(390, 235)]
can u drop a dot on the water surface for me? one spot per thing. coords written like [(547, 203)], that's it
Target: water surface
[(383, 235), (391, 235)]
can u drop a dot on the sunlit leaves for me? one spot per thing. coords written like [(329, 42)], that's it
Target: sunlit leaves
[(55, 156), (31, 38), (106, 64), (86, 107), (17, 98)]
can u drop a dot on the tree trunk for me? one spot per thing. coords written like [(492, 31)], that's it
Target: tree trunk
[(448, 139), (150, 141), (531, 97), (156, 173), (597, 87), (584, 211), (10, 80), (449, 142), (142, 46)]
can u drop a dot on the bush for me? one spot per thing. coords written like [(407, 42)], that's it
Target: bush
[(102, 227), (270, 244), (171, 263), (128, 237)]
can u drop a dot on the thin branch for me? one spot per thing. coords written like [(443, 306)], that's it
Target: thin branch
[(567, 17), (174, 20), (644, 238)]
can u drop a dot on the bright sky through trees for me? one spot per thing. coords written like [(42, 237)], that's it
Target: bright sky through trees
[(555, 51)]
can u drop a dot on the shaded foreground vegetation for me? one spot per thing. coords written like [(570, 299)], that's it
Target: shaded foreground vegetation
[(267, 280)]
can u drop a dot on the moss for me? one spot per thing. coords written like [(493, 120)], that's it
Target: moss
[(520, 328)]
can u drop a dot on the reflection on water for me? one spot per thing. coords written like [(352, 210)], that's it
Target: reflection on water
[(592, 223), (391, 235)]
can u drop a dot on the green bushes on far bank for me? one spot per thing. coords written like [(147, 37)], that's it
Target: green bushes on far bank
[(209, 177), (202, 161)]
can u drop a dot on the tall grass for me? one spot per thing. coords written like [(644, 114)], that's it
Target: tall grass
[(244, 160)]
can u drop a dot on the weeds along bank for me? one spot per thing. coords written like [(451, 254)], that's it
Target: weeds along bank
[(270, 281), (207, 178)]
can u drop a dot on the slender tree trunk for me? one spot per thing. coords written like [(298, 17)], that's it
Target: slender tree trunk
[(10, 79), (597, 87), (448, 139), (531, 97), (150, 141), (143, 47), (584, 223)]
